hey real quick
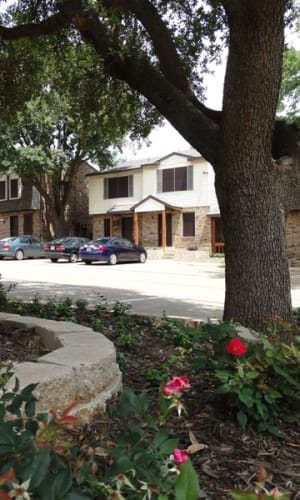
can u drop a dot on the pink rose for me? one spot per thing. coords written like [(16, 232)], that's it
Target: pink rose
[(236, 347), (180, 456), (175, 386)]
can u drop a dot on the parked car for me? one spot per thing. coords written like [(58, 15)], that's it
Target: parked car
[(64, 248), (112, 250), (21, 247)]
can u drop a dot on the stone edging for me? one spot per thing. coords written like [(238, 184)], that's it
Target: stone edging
[(81, 366)]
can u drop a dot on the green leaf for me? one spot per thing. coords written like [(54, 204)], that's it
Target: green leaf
[(242, 419), (83, 472), (6, 435), (251, 375), (187, 484), (168, 446), (76, 495), (246, 396), (160, 437), (30, 408), (240, 495), (39, 468), (28, 390), (62, 483)]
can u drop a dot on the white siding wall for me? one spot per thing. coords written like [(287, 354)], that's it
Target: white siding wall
[(97, 203), (145, 184)]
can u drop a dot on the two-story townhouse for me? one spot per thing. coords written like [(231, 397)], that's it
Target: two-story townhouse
[(23, 210), (164, 202), (159, 202)]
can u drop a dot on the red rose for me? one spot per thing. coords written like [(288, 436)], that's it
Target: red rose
[(175, 386), (236, 347), (180, 456)]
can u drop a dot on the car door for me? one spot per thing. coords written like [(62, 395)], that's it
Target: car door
[(24, 243), (127, 250), (35, 248)]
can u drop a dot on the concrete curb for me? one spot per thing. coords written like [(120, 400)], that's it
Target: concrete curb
[(81, 366)]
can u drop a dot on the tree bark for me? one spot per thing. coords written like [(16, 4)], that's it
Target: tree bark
[(257, 273)]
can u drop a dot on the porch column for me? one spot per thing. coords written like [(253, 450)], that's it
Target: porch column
[(135, 228), (213, 235), (111, 220), (163, 229)]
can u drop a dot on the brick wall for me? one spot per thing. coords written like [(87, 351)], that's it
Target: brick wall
[(36, 223), (293, 233)]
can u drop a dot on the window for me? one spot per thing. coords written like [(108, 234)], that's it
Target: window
[(188, 224), (3, 189), (14, 188), (106, 227), (118, 187), (175, 179), (27, 224), (14, 225)]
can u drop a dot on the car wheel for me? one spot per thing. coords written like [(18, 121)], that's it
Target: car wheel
[(54, 260), (73, 258), (88, 262), (142, 258), (113, 259), (19, 255)]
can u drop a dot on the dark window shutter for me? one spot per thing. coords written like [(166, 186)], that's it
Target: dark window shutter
[(190, 177), (168, 180), (180, 179), (159, 181), (130, 185), (105, 194)]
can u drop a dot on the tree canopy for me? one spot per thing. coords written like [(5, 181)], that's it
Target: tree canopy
[(60, 111)]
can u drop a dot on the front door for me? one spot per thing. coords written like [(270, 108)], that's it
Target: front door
[(168, 230), (127, 228)]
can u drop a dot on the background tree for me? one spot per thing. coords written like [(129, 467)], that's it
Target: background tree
[(159, 48), (75, 115), (290, 86)]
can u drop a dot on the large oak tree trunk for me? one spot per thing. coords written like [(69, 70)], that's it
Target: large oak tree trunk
[(257, 274)]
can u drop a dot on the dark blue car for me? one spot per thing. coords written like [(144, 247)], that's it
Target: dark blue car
[(112, 250)]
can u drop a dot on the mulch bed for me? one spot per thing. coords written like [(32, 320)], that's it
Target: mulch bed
[(232, 456), (20, 344)]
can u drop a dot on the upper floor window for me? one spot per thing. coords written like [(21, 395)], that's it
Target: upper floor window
[(118, 187), (175, 179), (10, 187), (3, 188), (13, 188)]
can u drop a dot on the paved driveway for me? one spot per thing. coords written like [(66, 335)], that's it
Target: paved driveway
[(184, 289)]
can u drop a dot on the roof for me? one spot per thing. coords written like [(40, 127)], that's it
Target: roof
[(190, 154), (126, 208)]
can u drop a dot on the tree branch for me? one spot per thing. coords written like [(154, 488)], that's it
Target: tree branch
[(69, 10), (164, 47)]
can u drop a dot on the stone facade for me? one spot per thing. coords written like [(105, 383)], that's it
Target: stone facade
[(148, 224)]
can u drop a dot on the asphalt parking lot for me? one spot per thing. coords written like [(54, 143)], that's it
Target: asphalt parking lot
[(181, 289)]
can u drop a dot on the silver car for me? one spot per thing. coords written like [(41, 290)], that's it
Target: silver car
[(21, 247)]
